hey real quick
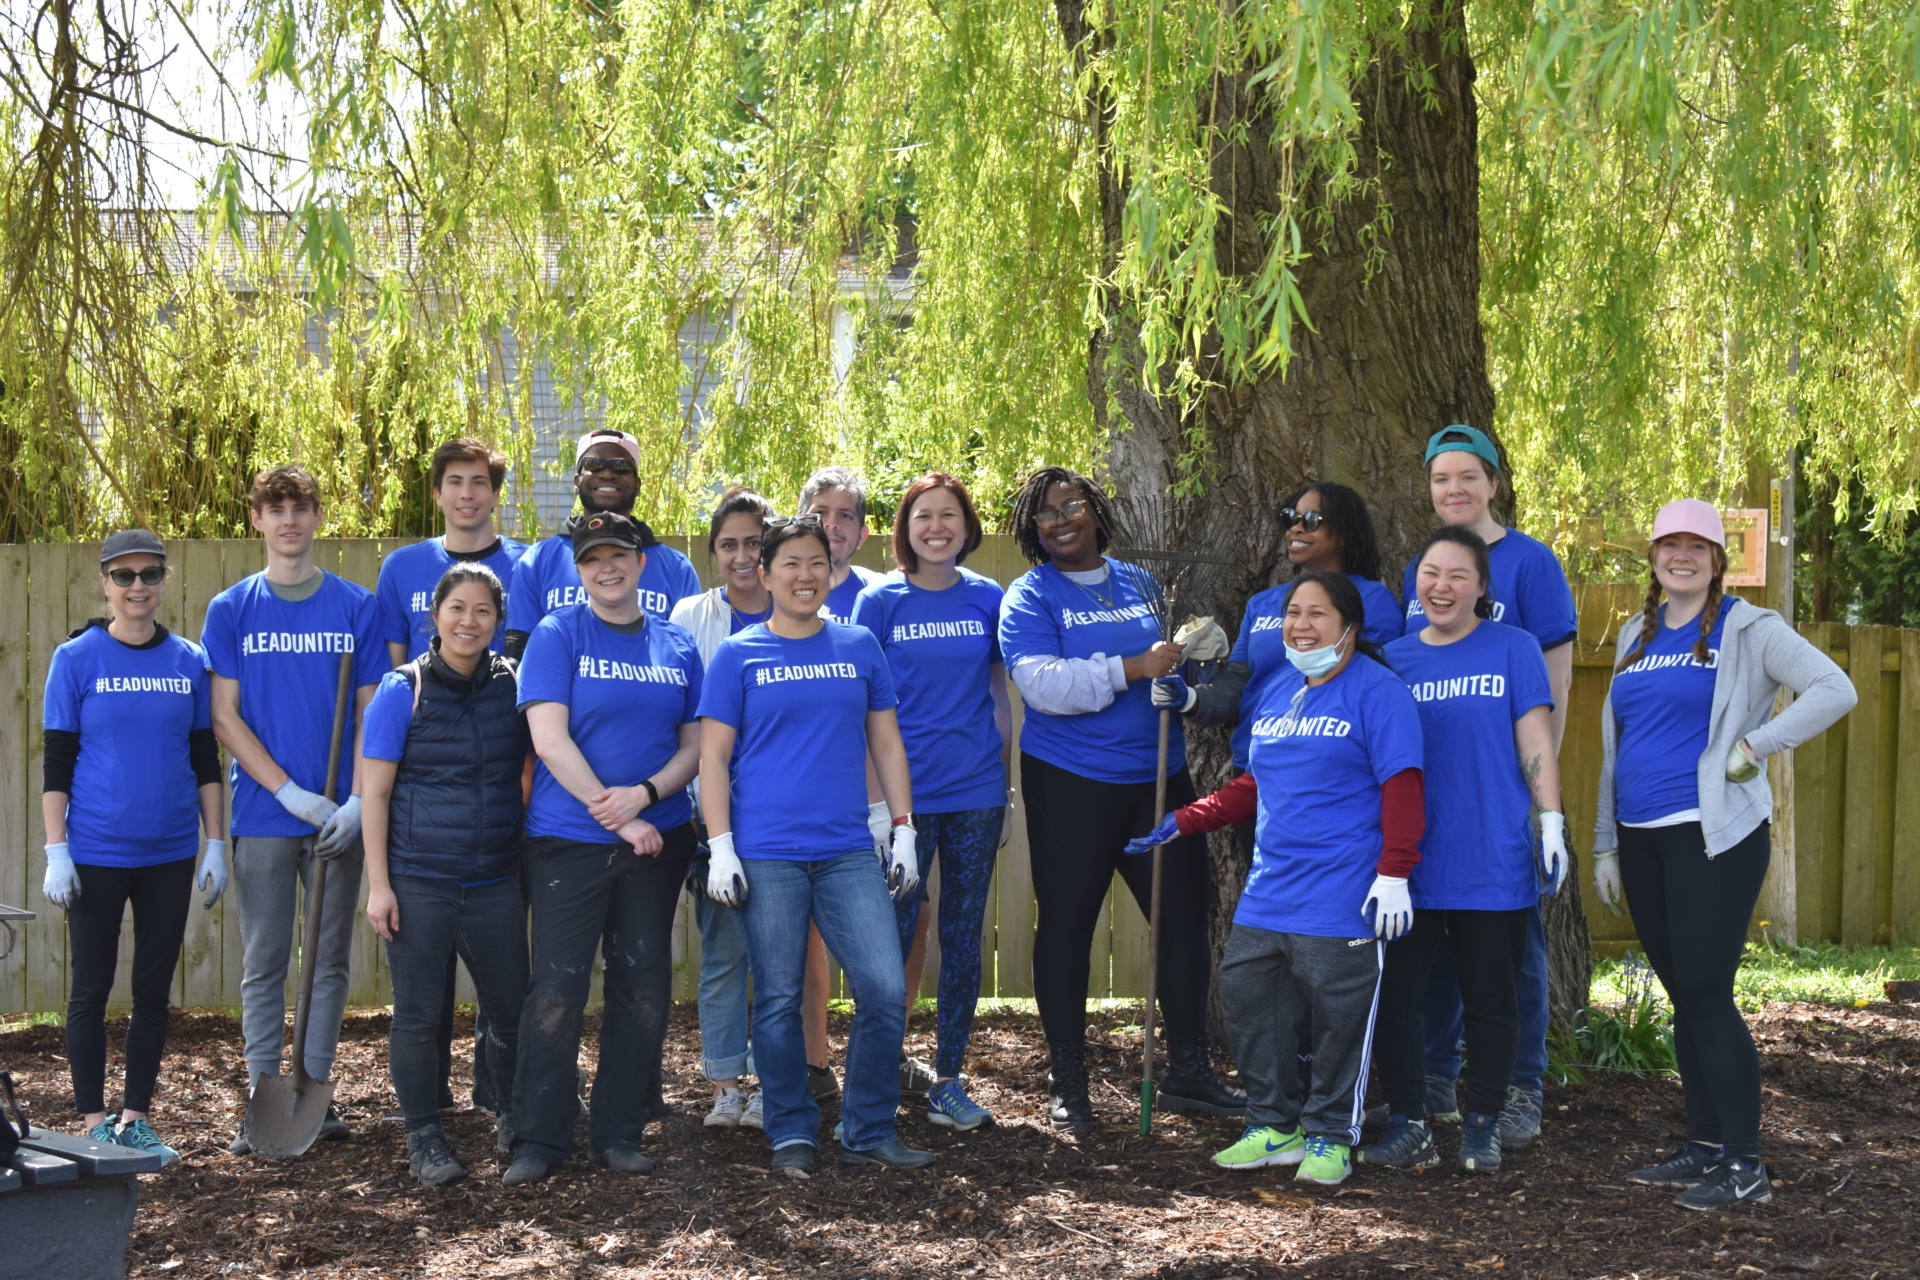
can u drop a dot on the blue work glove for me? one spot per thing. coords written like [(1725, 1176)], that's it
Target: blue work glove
[(339, 832), (308, 806), (213, 871), (1392, 907), (62, 882), (1168, 830), (1171, 693)]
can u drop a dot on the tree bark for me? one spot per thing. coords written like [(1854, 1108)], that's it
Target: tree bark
[(1392, 357)]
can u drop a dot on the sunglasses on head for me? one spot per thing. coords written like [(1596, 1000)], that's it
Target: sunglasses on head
[(619, 466), (152, 575), (1308, 520), (811, 520)]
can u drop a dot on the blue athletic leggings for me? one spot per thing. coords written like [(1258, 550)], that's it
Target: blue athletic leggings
[(966, 843)]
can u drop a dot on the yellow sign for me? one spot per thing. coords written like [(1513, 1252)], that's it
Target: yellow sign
[(1747, 544)]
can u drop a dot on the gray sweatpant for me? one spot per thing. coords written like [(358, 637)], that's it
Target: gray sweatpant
[(1274, 984), (266, 870)]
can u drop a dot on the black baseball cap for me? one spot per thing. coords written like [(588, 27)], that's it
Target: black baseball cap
[(603, 529), (131, 542)]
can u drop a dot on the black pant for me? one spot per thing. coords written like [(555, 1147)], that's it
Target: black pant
[(1485, 947), (1075, 830), (485, 1094), (1692, 913), (160, 896)]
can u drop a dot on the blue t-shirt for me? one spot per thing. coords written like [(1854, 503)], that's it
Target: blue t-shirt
[(1048, 615), (841, 599), (1477, 853), (1317, 835), (626, 697), (545, 579), (135, 801), (1662, 706), (737, 621), (1529, 590), (408, 577), (941, 647), (286, 657), (1261, 647), (799, 710)]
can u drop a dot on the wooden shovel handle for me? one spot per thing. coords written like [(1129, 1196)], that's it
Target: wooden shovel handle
[(317, 887)]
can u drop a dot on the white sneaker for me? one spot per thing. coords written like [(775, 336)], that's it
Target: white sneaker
[(727, 1110), (753, 1117)]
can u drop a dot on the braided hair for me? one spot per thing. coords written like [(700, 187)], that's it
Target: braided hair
[(1650, 612), (1345, 512), (1033, 496)]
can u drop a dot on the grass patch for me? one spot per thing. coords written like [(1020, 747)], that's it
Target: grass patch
[(1814, 972)]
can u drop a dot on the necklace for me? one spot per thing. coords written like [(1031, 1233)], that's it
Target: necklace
[(1101, 594), (746, 618)]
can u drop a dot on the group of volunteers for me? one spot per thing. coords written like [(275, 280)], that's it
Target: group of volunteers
[(549, 743)]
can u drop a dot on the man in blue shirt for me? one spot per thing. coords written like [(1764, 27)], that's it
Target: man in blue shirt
[(839, 497), (274, 641)]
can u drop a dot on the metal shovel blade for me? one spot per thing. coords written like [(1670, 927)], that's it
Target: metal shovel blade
[(285, 1114)]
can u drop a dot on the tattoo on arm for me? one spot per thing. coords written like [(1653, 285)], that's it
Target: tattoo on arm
[(1530, 770)]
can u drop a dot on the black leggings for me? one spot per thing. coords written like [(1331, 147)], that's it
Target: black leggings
[(1692, 913), (1485, 946), (160, 896), (1075, 829)]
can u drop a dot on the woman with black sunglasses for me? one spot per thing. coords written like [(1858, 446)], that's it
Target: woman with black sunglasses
[(1079, 637)]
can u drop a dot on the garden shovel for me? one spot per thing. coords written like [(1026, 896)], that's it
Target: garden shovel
[(285, 1113)]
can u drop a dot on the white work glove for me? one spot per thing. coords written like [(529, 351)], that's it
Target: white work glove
[(340, 831), (1742, 764), (1606, 880), (213, 871), (726, 878), (62, 882), (1553, 849), (1006, 821), (1392, 907), (879, 823), (1204, 640), (310, 807), (903, 865)]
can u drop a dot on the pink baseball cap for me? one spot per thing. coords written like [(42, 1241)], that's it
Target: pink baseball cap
[(1690, 515), (606, 435)]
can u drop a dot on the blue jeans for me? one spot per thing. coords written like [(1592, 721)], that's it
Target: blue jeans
[(725, 1053), (1446, 1018), (486, 926), (967, 843), (846, 895)]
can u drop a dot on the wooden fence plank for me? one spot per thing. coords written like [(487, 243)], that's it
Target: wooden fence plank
[(19, 778), (1860, 840), (1884, 768), (45, 967), (1904, 904)]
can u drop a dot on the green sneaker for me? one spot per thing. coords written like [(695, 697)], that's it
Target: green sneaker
[(139, 1135), (1326, 1162), (1262, 1144)]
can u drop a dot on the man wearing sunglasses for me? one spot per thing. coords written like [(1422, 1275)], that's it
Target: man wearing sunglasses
[(606, 476)]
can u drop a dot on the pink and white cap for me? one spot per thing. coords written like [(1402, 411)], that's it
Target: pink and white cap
[(607, 435), (1690, 515)]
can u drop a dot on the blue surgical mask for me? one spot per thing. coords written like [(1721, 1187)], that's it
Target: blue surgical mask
[(1313, 663)]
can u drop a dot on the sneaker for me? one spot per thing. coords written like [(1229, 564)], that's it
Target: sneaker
[(1687, 1167), (1262, 1144), (755, 1116), (1407, 1144), (949, 1106), (727, 1110), (105, 1132), (139, 1135), (430, 1160), (1480, 1143), (1326, 1162), (1520, 1117), (1443, 1101), (333, 1129), (892, 1154), (525, 1169), (795, 1160), (1732, 1181), (916, 1076), (822, 1083), (624, 1160), (839, 1130)]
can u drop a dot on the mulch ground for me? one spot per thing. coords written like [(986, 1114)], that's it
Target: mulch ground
[(1842, 1111)]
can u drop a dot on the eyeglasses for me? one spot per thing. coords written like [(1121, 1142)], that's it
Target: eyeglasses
[(1048, 517), (619, 466), (811, 520), (1308, 520), (152, 575)]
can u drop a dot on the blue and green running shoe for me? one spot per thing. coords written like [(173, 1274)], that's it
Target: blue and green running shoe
[(1262, 1144), (1327, 1162), (949, 1106), (139, 1135)]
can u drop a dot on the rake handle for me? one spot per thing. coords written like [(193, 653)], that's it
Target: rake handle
[(1147, 1027)]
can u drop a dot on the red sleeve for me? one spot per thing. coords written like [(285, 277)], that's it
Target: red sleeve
[(1238, 801), (1403, 820)]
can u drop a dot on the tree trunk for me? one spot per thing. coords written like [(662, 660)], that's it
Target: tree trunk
[(1391, 358)]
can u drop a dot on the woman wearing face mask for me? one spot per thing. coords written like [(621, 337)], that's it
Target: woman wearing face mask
[(1682, 823), (793, 709), (1081, 641), (734, 531), (442, 754), (936, 622), (1334, 788), (132, 779), (1482, 691)]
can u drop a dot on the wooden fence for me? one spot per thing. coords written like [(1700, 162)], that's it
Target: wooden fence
[(1856, 824)]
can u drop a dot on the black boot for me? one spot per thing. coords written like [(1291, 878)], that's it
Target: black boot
[(1190, 1085), (1068, 1107)]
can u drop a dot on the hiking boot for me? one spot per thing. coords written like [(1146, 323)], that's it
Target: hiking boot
[(624, 1159), (727, 1110), (1326, 1162), (524, 1169), (1262, 1145), (139, 1135), (755, 1116), (1443, 1101), (1190, 1085), (1687, 1167), (822, 1083), (892, 1154), (1067, 1104), (430, 1160), (1520, 1117), (333, 1129), (1407, 1144), (1732, 1181), (949, 1107), (105, 1132), (1480, 1143), (916, 1076), (796, 1160)]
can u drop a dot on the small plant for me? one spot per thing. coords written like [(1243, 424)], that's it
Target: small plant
[(1635, 1037)]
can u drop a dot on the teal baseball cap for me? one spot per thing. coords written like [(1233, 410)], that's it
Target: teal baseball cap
[(1467, 439)]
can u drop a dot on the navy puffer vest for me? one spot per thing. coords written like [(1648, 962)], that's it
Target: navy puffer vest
[(456, 812)]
